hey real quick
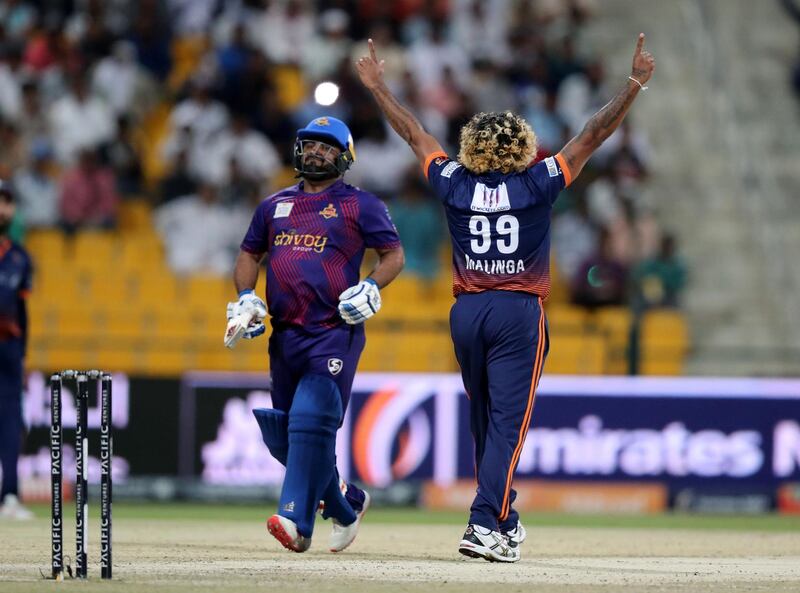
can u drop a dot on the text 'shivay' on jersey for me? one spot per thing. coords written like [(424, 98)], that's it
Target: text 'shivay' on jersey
[(314, 245), (499, 223)]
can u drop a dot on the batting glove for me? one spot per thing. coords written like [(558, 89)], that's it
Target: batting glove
[(241, 326), (360, 302), (250, 304)]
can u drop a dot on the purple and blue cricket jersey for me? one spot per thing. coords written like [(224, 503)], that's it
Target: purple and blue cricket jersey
[(500, 231), (15, 284), (314, 245)]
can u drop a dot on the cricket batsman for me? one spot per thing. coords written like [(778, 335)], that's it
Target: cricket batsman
[(312, 237), (498, 205)]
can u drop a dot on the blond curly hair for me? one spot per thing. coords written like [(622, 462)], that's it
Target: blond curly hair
[(497, 141)]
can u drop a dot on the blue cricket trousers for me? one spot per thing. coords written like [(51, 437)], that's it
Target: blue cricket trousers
[(11, 424), (501, 342)]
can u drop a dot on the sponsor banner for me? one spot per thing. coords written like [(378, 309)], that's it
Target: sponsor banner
[(685, 432), (144, 424), (727, 501), (737, 435), (566, 497), (789, 499)]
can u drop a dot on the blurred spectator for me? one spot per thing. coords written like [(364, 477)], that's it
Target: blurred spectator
[(575, 238), (434, 121), (239, 187), (254, 154), (179, 181), (43, 49), (659, 281), (241, 70), (200, 113), (547, 123), (382, 160), (88, 195), (197, 234), (79, 121), (10, 87), (88, 30), (122, 154), (275, 123), (281, 29), (33, 125), (445, 96), (581, 94), (192, 17), (419, 223), (151, 34), (601, 279), (489, 89), (429, 58), (480, 27), (123, 83), (37, 192), (18, 18), (323, 53), (12, 149)]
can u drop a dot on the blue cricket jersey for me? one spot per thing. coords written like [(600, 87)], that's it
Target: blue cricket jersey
[(499, 223)]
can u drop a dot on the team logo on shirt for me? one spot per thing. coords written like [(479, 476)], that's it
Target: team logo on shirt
[(335, 365), (552, 167), (300, 241), (329, 212), (283, 210), (490, 199), (439, 160)]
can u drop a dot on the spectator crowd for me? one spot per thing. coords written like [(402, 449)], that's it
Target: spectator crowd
[(193, 105)]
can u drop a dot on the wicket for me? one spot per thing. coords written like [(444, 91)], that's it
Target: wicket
[(82, 379)]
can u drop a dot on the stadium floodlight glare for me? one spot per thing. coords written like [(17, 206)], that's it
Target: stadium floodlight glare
[(326, 93)]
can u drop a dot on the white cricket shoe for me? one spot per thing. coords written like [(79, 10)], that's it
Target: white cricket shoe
[(12, 508), (517, 535), (343, 535), (480, 542), (285, 531)]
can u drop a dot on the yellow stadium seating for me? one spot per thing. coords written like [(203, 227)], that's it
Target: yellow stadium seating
[(110, 300), (664, 342), (576, 355)]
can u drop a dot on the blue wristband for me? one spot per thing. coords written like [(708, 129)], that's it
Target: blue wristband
[(246, 291), (371, 281)]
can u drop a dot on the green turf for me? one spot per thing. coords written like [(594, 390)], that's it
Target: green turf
[(236, 512)]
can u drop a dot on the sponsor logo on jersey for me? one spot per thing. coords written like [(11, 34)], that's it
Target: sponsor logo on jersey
[(300, 241), (448, 170), (283, 209), (490, 199), (495, 266), (552, 167), (335, 365), (329, 212)]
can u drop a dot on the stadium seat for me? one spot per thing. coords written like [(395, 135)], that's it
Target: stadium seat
[(576, 355)]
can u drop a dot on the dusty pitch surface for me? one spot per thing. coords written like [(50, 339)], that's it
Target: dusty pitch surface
[(182, 555)]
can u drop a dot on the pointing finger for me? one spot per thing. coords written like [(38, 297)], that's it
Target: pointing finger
[(640, 43), (372, 50)]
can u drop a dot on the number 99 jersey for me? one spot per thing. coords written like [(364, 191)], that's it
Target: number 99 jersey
[(499, 223)]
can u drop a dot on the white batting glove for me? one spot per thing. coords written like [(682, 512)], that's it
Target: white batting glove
[(250, 303), (360, 302), (246, 324)]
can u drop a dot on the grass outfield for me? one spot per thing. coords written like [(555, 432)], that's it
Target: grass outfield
[(409, 516)]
